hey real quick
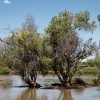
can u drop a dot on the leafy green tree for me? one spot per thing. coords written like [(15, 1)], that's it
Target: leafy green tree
[(68, 50), (25, 51), (27, 54)]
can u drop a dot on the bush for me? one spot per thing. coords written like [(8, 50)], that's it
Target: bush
[(95, 81), (46, 61), (90, 70), (4, 70)]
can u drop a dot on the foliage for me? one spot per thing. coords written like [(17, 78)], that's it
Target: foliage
[(60, 49), (46, 55), (46, 64), (23, 51), (26, 49), (46, 47), (95, 81), (90, 70), (95, 62), (68, 50), (98, 17), (4, 70)]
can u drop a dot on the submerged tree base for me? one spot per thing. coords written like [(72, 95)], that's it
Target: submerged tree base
[(77, 84), (34, 85)]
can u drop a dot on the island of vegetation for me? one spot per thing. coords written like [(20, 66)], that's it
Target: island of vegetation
[(60, 51)]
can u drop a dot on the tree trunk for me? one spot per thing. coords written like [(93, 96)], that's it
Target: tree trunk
[(32, 84)]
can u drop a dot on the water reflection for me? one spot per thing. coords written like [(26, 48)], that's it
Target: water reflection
[(66, 95), (41, 94), (78, 91), (28, 94), (31, 94), (63, 94)]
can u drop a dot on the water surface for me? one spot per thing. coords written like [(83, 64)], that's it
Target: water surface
[(8, 92)]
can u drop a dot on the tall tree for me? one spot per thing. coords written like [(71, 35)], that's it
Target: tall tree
[(67, 47)]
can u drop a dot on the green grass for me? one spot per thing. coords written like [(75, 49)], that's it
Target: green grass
[(90, 70), (4, 70)]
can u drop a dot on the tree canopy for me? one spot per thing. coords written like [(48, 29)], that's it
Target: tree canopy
[(60, 49), (68, 50)]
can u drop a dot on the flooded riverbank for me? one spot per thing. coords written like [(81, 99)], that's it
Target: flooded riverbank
[(9, 92)]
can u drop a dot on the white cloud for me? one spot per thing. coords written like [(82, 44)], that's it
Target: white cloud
[(7, 2)]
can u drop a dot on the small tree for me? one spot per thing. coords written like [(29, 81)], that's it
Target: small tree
[(24, 48), (27, 49), (68, 50)]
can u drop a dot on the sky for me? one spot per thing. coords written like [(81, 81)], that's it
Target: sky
[(13, 12)]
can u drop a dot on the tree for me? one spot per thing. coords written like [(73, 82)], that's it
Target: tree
[(24, 50), (27, 50), (68, 50)]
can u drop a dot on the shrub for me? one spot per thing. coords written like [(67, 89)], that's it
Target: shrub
[(4, 70), (90, 70)]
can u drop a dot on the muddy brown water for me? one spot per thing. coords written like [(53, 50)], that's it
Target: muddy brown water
[(8, 91)]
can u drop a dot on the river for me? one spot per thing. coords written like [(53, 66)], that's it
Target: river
[(8, 91)]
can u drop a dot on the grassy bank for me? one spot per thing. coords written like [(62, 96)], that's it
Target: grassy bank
[(90, 70), (85, 70)]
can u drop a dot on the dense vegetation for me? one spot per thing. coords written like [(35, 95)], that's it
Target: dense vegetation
[(60, 49)]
